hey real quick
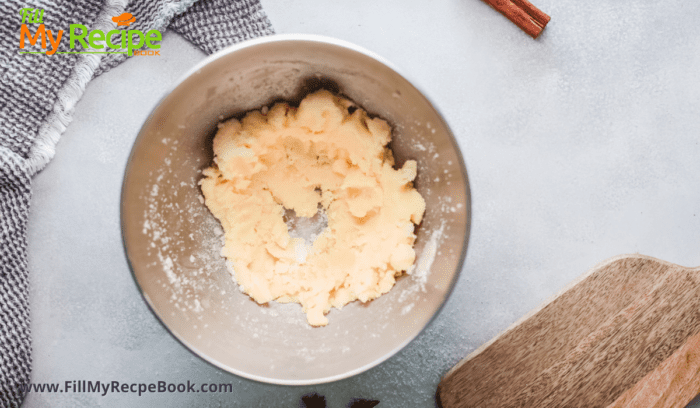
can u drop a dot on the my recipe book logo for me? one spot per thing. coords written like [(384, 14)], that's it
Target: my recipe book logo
[(34, 32)]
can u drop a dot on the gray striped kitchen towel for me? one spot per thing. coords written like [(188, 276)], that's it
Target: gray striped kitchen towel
[(37, 96)]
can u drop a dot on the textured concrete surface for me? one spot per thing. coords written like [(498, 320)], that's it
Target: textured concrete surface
[(581, 145)]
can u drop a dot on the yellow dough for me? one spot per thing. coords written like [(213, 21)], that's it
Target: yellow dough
[(319, 157)]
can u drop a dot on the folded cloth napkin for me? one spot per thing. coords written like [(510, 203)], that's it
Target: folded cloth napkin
[(37, 96)]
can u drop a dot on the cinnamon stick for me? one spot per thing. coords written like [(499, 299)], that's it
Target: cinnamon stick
[(521, 12)]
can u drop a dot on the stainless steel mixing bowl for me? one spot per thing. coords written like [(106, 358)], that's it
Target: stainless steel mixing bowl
[(172, 242)]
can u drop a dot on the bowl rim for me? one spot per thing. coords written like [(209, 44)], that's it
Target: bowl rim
[(321, 39)]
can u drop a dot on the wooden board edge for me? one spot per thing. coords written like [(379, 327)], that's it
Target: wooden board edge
[(658, 388), (551, 299)]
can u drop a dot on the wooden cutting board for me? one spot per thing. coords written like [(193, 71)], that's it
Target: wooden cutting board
[(626, 334)]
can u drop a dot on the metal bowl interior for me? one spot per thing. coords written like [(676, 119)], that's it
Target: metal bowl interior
[(172, 242)]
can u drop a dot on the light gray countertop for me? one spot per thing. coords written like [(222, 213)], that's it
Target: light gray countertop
[(580, 146)]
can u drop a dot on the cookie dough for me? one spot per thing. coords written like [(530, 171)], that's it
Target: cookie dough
[(330, 156)]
